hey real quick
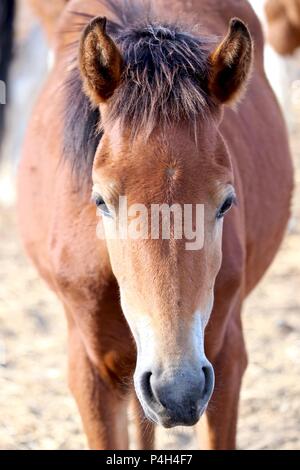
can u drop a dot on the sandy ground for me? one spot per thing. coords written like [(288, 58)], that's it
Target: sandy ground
[(36, 408)]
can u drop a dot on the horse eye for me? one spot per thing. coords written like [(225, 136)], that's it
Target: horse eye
[(227, 205), (101, 205)]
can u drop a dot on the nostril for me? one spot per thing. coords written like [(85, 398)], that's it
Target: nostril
[(150, 393), (146, 386), (205, 371), (208, 381)]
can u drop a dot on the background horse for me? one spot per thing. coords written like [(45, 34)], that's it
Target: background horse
[(167, 135), (49, 14), (283, 18), (31, 48), (7, 13)]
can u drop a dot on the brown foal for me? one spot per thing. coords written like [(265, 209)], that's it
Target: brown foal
[(144, 105)]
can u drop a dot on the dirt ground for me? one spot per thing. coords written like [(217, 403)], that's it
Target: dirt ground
[(36, 408)]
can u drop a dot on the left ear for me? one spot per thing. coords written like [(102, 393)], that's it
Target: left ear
[(100, 62), (231, 64)]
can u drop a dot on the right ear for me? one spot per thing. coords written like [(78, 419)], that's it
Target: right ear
[(230, 64), (100, 62)]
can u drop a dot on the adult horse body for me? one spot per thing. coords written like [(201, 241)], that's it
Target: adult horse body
[(283, 18), (7, 14), (48, 14), (167, 137)]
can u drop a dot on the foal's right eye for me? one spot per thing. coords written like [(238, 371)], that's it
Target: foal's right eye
[(227, 205), (101, 205)]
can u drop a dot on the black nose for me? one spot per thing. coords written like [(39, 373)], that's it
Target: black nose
[(178, 398)]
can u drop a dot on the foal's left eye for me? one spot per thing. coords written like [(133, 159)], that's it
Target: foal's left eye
[(226, 206), (101, 205)]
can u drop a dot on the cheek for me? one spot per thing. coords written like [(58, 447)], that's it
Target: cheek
[(218, 255), (109, 229), (214, 247), (118, 264), (207, 309), (116, 247), (217, 232), (140, 324)]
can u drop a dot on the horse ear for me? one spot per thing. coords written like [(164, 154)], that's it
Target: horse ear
[(231, 63), (100, 62)]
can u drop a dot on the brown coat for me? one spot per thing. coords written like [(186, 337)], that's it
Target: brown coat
[(58, 224)]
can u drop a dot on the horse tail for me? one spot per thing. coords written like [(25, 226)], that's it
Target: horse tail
[(7, 15)]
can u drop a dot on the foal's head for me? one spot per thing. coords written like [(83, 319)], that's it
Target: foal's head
[(160, 92)]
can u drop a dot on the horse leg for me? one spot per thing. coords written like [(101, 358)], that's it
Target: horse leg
[(145, 430), (217, 429), (103, 408)]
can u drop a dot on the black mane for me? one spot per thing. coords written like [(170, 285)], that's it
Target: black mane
[(164, 81)]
